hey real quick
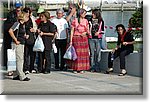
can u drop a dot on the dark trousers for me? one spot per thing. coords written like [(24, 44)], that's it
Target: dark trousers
[(118, 53), (44, 58), (61, 47), (29, 58)]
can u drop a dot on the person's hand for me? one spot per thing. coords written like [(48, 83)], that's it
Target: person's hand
[(41, 33), (125, 43), (38, 30), (70, 42), (32, 30), (73, 10), (26, 36), (84, 34), (113, 50), (97, 33), (17, 42)]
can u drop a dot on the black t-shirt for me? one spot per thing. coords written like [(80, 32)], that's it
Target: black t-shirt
[(95, 27), (47, 27), (19, 30)]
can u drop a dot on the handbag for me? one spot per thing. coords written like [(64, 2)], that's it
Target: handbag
[(39, 45), (11, 62), (70, 53)]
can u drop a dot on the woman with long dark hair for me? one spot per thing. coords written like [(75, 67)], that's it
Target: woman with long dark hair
[(124, 47), (97, 29), (79, 39)]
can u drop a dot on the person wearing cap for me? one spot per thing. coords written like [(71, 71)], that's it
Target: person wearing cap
[(11, 19), (19, 41), (61, 38), (40, 10), (46, 29)]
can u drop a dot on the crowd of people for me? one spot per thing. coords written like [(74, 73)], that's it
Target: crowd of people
[(21, 28)]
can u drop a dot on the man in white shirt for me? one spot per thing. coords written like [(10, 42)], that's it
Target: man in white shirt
[(61, 38)]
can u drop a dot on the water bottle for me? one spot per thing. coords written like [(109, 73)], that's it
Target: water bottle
[(112, 56)]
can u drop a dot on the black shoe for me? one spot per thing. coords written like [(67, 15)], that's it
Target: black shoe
[(26, 79), (16, 78), (46, 72)]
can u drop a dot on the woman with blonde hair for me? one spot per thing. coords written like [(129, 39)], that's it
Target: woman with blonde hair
[(18, 34)]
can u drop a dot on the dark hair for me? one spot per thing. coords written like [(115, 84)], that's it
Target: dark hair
[(122, 26), (97, 13), (80, 12), (27, 9)]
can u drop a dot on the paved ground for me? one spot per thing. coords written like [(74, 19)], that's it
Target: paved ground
[(59, 82)]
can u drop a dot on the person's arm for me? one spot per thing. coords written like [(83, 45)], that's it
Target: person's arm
[(11, 32), (71, 36), (71, 14), (49, 34)]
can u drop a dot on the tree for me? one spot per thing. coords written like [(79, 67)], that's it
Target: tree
[(136, 21)]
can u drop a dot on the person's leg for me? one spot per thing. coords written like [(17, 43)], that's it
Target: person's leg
[(56, 55), (19, 61), (63, 45), (92, 50), (110, 60), (122, 62), (97, 55), (32, 58), (48, 61), (26, 59), (40, 61)]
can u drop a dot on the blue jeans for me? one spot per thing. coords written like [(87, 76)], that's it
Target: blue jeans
[(95, 54)]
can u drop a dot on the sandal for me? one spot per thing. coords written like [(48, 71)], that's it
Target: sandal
[(122, 74)]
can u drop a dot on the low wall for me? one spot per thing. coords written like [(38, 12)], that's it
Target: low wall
[(134, 63)]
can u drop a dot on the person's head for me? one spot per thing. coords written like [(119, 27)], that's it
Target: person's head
[(40, 10), (60, 13), (22, 17), (120, 29), (45, 16), (96, 15), (27, 10), (82, 13)]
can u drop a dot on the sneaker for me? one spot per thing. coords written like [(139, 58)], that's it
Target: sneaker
[(16, 78), (75, 72), (81, 72), (33, 71), (26, 79), (27, 72)]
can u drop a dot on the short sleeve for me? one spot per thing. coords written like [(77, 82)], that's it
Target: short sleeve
[(15, 26), (87, 25), (73, 23)]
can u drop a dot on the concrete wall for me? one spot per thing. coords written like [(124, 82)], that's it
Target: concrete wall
[(134, 63)]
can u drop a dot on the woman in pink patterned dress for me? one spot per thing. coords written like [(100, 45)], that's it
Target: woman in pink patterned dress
[(79, 39)]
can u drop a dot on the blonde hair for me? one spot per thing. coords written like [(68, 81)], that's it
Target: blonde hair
[(21, 16)]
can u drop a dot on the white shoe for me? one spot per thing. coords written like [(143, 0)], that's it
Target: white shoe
[(33, 71), (27, 72)]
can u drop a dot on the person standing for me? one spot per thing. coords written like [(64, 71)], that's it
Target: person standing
[(46, 29), (11, 19), (97, 29), (61, 38), (124, 47), (29, 55), (19, 40), (79, 39)]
